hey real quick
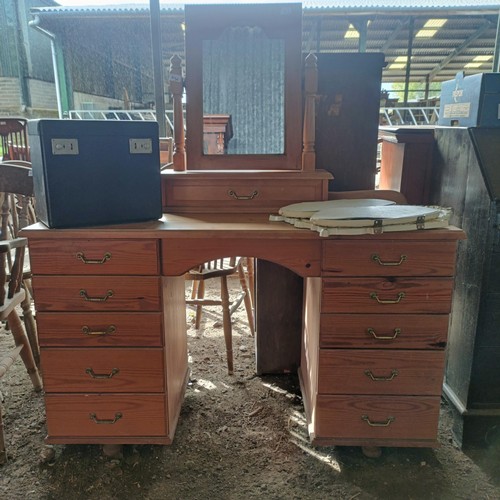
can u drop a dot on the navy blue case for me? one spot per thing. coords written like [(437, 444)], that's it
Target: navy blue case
[(95, 172)]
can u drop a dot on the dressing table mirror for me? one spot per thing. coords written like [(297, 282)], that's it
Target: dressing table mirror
[(245, 137), (244, 61)]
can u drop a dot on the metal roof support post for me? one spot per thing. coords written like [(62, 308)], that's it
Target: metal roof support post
[(496, 53), (408, 62), (154, 12), (361, 26), (64, 93)]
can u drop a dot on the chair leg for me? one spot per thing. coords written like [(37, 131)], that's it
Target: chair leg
[(247, 298), (226, 321), (194, 288), (3, 452), (201, 295), (30, 325), (20, 338), (250, 263)]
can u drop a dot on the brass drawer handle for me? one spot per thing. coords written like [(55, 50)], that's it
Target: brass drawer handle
[(242, 197), (374, 296), (83, 293), (111, 421), (88, 331), (376, 258), (81, 256), (394, 373), (371, 423), (372, 332), (91, 372)]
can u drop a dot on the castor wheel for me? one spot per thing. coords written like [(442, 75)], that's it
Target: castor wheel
[(371, 451)]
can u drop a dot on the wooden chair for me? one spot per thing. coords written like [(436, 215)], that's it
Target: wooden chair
[(222, 269), (14, 139), (17, 211), (12, 295)]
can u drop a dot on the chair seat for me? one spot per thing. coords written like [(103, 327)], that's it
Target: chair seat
[(224, 268)]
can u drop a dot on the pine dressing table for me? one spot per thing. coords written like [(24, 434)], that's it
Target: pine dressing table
[(110, 300), (112, 328)]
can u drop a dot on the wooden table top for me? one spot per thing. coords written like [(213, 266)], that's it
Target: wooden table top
[(252, 226)]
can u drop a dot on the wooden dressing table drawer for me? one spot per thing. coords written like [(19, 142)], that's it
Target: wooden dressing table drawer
[(384, 331), (77, 418), (79, 256), (387, 295), (365, 371), (378, 420), (100, 329), (103, 370), (97, 293), (389, 258), (241, 192)]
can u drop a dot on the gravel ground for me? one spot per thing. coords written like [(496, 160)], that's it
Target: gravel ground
[(238, 437)]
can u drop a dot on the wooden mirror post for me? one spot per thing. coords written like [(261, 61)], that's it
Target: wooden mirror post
[(176, 87), (309, 135)]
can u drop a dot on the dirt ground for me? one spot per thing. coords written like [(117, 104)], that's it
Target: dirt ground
[(238, 437)]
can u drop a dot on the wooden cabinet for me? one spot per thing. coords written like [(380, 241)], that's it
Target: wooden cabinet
[(406, 161), (111, 374), (348, 106), (372, 366)]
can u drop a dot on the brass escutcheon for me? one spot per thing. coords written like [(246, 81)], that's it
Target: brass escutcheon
[(376, 258), (108, 331), (394, 373), (83, 293), (94, 418), (374, 296), (81, 256), (91, 372), (372, 332), (372, 423), (234, 195)]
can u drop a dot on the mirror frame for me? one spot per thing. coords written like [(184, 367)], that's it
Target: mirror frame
[(204, 22)]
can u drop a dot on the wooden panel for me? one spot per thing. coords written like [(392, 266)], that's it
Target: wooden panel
[(192, 192), (389, 258), (70, 415), (278, 318), (349, 371), (175, 352), (357, 295), (343, 417), (125, 256), (67, 370), (181, 254), (308, 375), (381, 331), (99, 329), (62, 293), (347, 117)]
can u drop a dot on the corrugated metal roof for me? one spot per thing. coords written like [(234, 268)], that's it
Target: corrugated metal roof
[(465, 36), (338, 5)]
